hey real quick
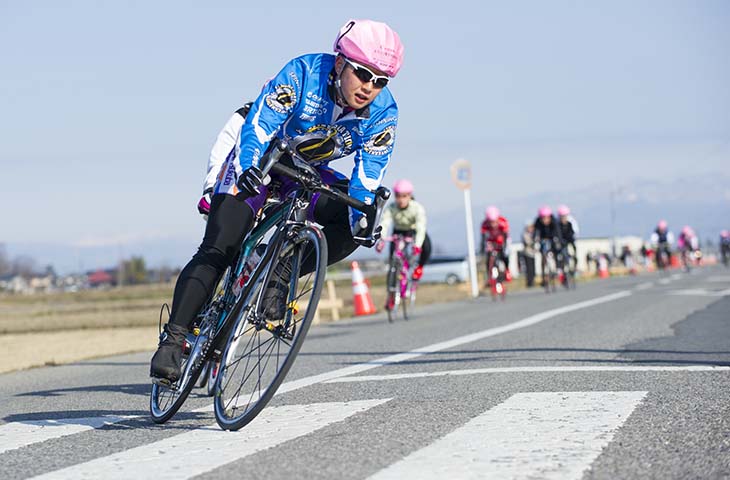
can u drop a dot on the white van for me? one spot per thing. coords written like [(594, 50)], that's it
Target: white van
[(449, 270)]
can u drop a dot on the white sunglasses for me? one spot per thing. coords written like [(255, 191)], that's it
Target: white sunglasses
[(365, 75)]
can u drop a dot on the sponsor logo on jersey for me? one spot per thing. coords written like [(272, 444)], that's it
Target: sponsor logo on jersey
[(381, 143), (282, 99), (323, 142)]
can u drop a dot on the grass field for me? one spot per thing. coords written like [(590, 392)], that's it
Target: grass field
[(139, 306), (54, 329)]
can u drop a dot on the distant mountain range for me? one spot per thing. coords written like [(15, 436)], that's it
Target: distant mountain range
[(701, 201)]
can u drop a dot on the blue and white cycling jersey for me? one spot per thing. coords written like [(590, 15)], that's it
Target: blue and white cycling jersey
[(298, 106)]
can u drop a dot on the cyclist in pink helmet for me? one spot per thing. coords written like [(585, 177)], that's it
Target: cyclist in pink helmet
[(568, 232), (407, 217), (324, 107), (662, 240), (495, 236), (547, 233)]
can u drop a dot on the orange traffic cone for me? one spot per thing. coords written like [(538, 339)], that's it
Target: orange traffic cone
[(361, 295), (603, 267)]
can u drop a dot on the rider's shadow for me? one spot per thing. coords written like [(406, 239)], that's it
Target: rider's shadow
[(128, 389)]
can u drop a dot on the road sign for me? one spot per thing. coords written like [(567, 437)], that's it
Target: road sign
[(461, 174)]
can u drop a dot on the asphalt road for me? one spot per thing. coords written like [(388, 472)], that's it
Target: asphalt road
[(621, 378)]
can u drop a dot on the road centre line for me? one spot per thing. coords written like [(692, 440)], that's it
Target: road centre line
[(702, 292), (455, 342), (644, 286), (536, 369), (204, 449), (552, 435)]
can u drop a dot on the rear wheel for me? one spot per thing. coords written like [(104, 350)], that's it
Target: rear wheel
[(260, 351), (166, 400)]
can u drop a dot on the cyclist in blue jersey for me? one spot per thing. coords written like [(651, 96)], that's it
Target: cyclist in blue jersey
[(324, 107)]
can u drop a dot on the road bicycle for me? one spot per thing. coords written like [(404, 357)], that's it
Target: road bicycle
[(566, 268), (248, 353), (663, 258), (549, 265), (401, 289), (496, 272)]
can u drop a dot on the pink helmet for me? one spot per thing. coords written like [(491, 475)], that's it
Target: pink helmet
[(372, 43), (544, 211), (662, 225), (563, 210), (492, 212), (687, 230), (724, 234), (403, 186)]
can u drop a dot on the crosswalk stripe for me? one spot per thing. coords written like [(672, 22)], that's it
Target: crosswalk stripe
[(15, 435), (204, 449), (535, 369), (546, 435)]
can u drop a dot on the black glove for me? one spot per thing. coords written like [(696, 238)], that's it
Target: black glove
[(250, 181)]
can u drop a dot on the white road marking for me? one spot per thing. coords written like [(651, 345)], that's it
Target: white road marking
[(664, 281), (204, 449), (455, 342), (676, 276), (482, 371), (701, 292), (16, 435), (644, 286), (718, 279), (436, 347), (549, 435)]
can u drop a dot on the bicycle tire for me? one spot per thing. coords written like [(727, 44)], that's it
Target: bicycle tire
[(163, 411), (231, 411), (189, 378), (392, 300)]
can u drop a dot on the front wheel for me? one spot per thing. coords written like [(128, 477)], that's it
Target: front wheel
[(260, 350)]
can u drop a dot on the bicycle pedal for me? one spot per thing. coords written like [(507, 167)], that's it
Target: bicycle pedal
[(164, 382)]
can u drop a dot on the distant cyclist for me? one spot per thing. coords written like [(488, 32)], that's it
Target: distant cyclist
[(688, 245), (324, 107), (662, 239), (547, 233), (568, 232), (495, 236), (725, 247), (407, 217)]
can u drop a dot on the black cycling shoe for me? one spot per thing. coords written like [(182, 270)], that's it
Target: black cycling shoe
[(276, 292), (165, 364), (275, 300)]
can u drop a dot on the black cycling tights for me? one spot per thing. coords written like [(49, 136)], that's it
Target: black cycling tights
[(229, 221)]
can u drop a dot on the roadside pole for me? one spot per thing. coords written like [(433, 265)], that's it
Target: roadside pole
[(461, 175)]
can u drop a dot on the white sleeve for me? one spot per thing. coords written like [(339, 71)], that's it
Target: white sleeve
[(226, 141)]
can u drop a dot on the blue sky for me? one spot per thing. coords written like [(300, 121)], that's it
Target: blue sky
[(109, 108)]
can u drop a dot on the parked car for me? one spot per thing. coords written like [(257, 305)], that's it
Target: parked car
[(446, 270)]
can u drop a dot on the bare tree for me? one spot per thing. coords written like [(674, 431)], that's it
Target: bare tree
[(24, 266), (5, 265)]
